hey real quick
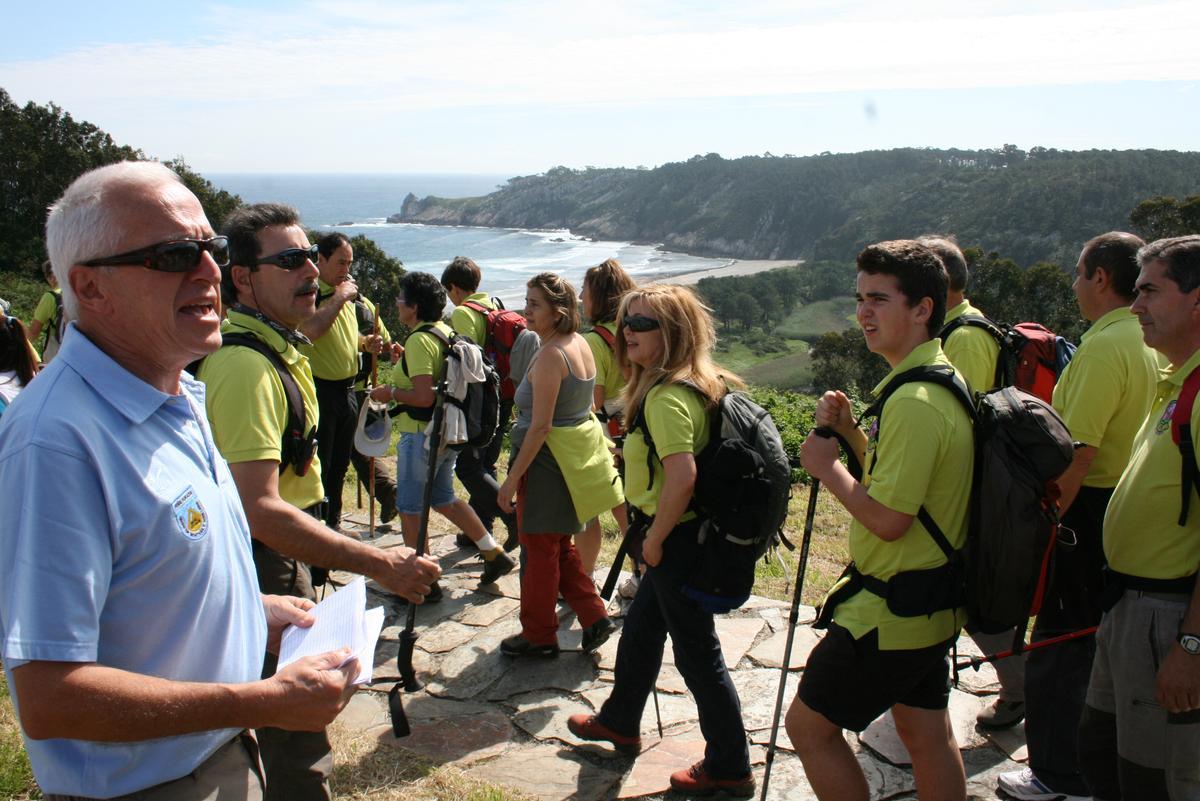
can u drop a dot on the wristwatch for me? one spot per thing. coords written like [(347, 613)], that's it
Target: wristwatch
[(1190, 643)]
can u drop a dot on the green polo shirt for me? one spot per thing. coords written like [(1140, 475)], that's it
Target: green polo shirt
[(1142, 535), (334, 355), (608, 372), (425, 355), (971, 350), (1105, 392), (469, 322), (247, 407), (47, 307), (921, 454), (678, 423)]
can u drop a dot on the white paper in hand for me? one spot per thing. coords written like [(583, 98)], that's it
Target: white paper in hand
[(341, 622)]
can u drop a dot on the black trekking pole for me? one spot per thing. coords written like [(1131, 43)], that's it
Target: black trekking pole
[(408, 637), (976, 662), (793, 619)]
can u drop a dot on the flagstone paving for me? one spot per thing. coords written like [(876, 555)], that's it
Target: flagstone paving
[(504, 720)]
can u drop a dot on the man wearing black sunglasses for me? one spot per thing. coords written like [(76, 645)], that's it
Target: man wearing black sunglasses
[(271, 282), (131, 624)]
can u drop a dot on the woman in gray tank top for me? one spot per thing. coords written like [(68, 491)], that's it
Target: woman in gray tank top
[(554, 405)]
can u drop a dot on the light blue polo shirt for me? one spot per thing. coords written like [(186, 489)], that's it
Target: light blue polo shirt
[(123, 542)]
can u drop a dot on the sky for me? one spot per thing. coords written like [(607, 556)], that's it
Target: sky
[(519, 86)]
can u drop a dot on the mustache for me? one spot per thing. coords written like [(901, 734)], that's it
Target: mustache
[(308, 286)]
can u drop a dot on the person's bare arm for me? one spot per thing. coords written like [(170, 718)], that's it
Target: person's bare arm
[(679, 482), (819, 456), (546, 375), (315, 327), (1070, 481), (598, 397), (34, 330), (289, 531), (1177, 687), (87, 701)]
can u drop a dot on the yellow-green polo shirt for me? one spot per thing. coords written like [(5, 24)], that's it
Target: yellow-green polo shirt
[(1142, 535), (469, 322), (46, 308), (1105, 392), (247, 406), (971, 350), (387, 339), (608, 372), (425, 355), (678, 423), (334, 355), (922, 454)]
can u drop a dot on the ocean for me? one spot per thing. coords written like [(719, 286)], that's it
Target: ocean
[(360, 204)]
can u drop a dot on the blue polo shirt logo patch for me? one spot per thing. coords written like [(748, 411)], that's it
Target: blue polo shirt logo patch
[(190, 517)]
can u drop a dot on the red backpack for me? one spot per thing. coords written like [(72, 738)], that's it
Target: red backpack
[(502, 329), (1032, 357)]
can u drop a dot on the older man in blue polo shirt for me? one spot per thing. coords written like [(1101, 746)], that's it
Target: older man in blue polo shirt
[(131, 626)]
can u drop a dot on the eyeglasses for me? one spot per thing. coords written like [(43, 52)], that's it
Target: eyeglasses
[(640, 323), (292, 258), (175, 256)]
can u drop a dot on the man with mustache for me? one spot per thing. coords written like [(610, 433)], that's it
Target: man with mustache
[(131, 625), (271, 281)]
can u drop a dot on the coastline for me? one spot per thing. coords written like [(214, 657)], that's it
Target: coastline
[(732, 268)]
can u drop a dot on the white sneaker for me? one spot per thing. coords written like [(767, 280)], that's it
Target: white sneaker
[(1023, 784)]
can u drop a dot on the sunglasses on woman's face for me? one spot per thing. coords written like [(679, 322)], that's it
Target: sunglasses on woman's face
[(175, 256), (640, 323), (292, 258)]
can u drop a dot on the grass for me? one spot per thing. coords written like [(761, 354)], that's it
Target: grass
[(811, 320), (16, 777)]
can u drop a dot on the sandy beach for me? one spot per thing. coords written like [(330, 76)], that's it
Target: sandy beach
[(733, 267)]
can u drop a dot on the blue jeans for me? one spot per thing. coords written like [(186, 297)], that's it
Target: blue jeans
[(661, 608), (412, 468)]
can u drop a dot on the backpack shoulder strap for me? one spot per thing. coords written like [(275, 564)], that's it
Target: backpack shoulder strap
[(974, 321), (437, 333), (943, 376), (297, 417), (609, 338), (475, 305), (1181, 432)]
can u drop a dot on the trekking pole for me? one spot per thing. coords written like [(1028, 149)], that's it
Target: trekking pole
[(976, 662), (793, 619), (371, 459), (408, 637)]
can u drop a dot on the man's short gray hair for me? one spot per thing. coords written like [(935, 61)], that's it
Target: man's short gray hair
[(85, 223)]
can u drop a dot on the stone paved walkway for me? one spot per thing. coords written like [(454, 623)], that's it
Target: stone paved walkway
[(505, 720)]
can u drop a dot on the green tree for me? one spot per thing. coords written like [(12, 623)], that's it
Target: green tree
[(746, 309), (378, 276), (1161, 217)]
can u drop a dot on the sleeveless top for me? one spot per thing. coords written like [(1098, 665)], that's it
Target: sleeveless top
[(574, 403)]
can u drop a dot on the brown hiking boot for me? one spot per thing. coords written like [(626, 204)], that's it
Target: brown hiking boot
[(589, 727), (1001, 714), (696, 781)]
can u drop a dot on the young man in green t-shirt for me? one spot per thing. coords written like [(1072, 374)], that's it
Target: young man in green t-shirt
[(476, 467), (918, 455), (48, 317)]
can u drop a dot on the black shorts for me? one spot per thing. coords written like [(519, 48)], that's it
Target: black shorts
[(851, 682)]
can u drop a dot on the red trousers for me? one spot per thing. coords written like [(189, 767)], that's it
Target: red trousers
[(552, 566)]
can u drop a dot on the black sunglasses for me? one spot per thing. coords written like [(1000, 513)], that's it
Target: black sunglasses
[(175, 256), (292, 258), (640, 323)]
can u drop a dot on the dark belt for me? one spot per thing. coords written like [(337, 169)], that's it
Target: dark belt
[(340, 383), (1115, 584)]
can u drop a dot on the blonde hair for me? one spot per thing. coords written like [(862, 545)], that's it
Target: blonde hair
[(688, 338), (561, 297)]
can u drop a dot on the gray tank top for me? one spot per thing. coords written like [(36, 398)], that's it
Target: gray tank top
[(573, 406)]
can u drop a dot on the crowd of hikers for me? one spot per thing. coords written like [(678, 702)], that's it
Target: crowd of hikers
[(199, 397)]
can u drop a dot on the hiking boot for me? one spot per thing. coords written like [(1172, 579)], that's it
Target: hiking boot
[(589, 727), (463, 541), (629, 587), (517, 645), (597, 634), (1025, 785), (1001, 714), (345, 532), (499, 565), (696, 781), (387, 514)]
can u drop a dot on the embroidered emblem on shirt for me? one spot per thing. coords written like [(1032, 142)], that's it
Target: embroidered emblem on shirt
[(190, 517), (1164, 422)]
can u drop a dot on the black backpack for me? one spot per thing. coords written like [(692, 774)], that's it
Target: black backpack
[(743, 483), (480, 407), (1021, 447)]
